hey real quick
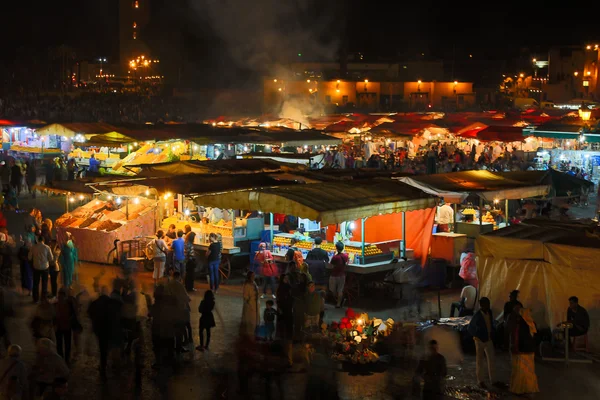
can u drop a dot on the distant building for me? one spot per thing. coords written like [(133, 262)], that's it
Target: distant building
[(367, 95), (572, 73)]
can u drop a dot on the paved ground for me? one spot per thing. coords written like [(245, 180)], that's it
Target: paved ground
[(203, 372)]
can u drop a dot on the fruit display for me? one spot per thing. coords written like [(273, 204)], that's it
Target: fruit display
[(328, 247), (304, 245), (370, 250), (469, 211), (280, 240), (489, 218)]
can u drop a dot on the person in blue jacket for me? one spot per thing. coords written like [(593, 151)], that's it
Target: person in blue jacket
[(94, 168), (482, 329)]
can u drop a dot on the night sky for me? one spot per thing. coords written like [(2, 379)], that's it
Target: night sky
[(235, 35)]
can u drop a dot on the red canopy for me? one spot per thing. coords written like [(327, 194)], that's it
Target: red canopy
[(501, 134)]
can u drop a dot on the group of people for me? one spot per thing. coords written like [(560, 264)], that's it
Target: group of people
[(519, 337)]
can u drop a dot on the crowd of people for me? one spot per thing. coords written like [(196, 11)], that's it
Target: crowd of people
[(98, 107)]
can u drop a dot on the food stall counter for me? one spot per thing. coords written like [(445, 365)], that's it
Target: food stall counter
[(224, 249)]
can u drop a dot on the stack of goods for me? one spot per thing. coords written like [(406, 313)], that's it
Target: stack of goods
[(488, 218), (281, 244), (354, 336), (78, 153), (469, 214), (101, 216)]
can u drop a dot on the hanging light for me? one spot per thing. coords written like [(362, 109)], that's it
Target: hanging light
[(147, 192), (136, 201), (109, 197), (186, 212), (72, 199), (118, 200), (81, 197)]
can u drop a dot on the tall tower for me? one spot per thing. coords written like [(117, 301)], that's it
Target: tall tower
[(134, 15)]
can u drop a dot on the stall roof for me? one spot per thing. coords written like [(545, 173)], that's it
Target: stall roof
[(195, 184), (454, 187), (555, 130), (237, 167), (111, 139), (501, 134), (329, 203), (562, 184), (402, 129), (74, 128)]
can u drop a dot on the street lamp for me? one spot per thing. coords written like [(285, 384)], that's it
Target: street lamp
[(455, 83), (584, 113)]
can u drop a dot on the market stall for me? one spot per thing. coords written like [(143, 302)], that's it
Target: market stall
[(480, 200), (378, 220), (96, 225), (548, 262), (173, 193)]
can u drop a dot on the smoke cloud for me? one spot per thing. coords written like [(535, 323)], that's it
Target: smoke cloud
[(265, 36)]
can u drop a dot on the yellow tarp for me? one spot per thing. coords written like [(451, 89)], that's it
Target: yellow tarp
[(500, 247), (70, 130)]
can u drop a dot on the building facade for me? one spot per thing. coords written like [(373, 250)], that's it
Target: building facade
[(368, 95)]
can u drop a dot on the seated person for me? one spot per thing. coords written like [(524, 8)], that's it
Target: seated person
[(578, 316), (466, 304)]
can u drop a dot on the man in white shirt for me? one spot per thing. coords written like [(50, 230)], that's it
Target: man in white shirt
[(444, 217), (466, 305), (42, 256)]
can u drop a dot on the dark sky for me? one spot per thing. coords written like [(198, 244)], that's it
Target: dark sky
[(241, 32)]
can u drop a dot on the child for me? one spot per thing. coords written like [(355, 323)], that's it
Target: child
[(207, 320), (269, 317)]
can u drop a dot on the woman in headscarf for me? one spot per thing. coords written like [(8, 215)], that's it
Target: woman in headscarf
[(522, 345), (267, 268), (301, 265), (68, 259)]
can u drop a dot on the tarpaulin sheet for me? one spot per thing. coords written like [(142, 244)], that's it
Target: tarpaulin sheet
[(419, 228), (500, 247), (329, 203), (544, 288)]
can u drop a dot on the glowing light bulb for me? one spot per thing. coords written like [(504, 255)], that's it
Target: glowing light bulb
[(109, 197), (118, 200), (81, 197), (136, 201), (147, 192), (72, 199)]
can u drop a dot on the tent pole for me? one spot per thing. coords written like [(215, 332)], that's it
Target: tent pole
[(127, 209), (506, 213), (362, 239), (480, 213), (454, 217), (67, 201), (271, 229), (403, 243)]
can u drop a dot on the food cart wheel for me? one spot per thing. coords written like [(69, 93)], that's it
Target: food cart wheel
[(225, 268), (351, 288)]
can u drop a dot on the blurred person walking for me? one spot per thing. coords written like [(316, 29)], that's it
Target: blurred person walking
[(69, 257), (48, 367), (98, 312), (66, 320), (337, 279), (522, 346), (207, 319), (250, 309), (43, 320), (41, 255), (482, 329), (433, 371), (14, 381), (213, 256)]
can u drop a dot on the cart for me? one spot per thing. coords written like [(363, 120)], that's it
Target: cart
[(131, 253)]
